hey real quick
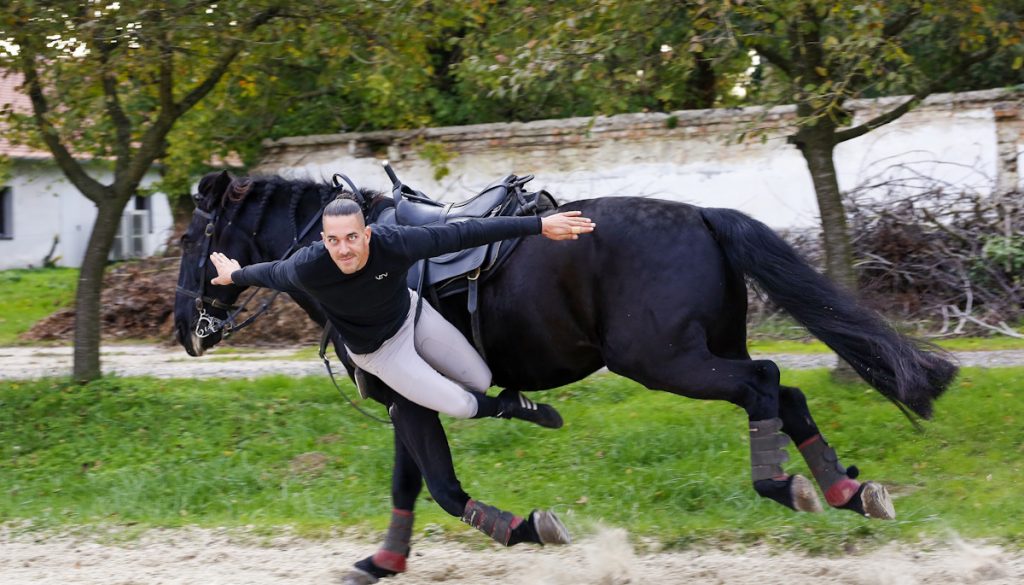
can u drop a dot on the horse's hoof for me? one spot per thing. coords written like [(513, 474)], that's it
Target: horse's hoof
[(805, 497), (549, 528), (358, 577), (876, 501)]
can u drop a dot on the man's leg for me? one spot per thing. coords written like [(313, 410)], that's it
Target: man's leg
[(398, 365), (444, 347)]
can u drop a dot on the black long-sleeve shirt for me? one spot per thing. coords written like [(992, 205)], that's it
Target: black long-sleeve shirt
[(370, 305)]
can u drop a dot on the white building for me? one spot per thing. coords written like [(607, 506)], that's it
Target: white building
[(38, 205)]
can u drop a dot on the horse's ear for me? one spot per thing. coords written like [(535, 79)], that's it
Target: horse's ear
[(212, 188)]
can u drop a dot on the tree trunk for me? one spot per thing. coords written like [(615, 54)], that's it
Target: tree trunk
[(817, 147), (90, 285)]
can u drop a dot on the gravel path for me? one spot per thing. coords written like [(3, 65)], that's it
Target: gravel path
[(172, 362)]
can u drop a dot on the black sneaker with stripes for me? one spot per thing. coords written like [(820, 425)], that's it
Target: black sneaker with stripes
[(515, 405)]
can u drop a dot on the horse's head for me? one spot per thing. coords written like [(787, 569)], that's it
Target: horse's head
[(199, 306)]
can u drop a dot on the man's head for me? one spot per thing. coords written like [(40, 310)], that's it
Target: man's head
[(346, 235)]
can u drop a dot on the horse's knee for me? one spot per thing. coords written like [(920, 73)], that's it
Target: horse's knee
[(761, 391)]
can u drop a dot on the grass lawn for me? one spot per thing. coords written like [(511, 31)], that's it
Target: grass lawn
[(276, 451), (27, 296)]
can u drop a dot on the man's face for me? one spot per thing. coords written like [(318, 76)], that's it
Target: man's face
[(347, 239)]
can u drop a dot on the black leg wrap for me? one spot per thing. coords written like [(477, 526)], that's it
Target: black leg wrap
[(491, 521), (767, 450)]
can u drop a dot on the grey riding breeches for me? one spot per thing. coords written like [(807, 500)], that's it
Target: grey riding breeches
[(430, 362)]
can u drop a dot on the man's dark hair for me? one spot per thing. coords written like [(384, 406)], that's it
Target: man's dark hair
[(343, 206)]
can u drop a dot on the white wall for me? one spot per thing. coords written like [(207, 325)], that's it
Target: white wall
[(45, 204), (952, 139)]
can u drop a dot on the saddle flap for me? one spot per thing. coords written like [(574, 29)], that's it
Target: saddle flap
[(449, 266)]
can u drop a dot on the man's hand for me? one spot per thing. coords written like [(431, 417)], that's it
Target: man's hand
[(566, 226), (225, 266)]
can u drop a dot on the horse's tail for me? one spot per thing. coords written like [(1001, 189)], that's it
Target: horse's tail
[(906, 371)]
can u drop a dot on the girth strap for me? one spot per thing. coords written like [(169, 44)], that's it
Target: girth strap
[(473, 306)]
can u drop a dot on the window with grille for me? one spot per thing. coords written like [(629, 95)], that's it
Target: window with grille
[(130, 241)]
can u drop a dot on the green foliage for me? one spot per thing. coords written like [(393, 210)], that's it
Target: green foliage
[(574, 58), (1006, 252), (29, 295), (819, 54), (438, 156), (278, 451)]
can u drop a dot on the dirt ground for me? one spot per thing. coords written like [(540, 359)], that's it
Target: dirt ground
[(221, 557)]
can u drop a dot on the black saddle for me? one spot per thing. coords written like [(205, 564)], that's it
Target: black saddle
[(463, 271), (501, 198), (484, 204)]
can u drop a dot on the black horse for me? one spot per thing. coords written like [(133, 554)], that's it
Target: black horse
[(656, 294)]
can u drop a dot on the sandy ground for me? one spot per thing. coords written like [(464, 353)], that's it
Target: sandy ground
[(192, 556)]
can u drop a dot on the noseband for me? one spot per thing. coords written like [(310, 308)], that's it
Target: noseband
[(208, 324)]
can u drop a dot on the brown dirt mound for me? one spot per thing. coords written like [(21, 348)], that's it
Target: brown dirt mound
[(138, 303)]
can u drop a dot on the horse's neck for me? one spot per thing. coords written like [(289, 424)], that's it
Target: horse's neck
[(284, 219)]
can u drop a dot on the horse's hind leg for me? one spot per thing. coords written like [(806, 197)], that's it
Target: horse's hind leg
[(837, 482), (752, 385)]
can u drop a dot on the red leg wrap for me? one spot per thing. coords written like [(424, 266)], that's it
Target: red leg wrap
[(841, 491), (391, 561)]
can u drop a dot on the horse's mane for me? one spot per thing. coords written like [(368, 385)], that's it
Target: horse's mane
[(263, 188)]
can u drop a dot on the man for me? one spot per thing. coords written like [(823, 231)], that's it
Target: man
[(358, 275)]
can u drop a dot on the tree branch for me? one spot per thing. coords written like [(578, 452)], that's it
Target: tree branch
[(88, 186), (897, 25), (152, 141), (122, 125), (222, 64), (898, 111), (166, 70), (774, 57)]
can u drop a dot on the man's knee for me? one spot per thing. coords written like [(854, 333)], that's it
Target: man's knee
[(465, 406), (479, 378)]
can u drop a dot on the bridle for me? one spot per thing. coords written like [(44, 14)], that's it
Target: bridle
[(208, 324)]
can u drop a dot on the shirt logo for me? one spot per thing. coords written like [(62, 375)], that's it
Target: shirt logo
[(381, 276)]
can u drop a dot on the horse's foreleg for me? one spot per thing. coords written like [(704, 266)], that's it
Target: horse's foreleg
[(424, 438), (837, 482), (390, 559)]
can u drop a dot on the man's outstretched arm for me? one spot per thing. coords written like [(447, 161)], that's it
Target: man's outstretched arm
[(430, 241), (277, 275)]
